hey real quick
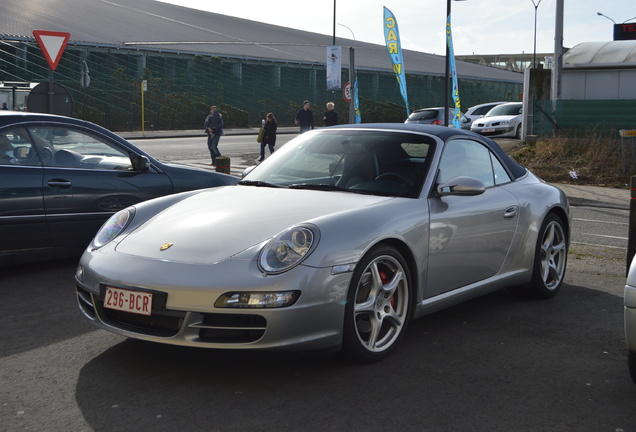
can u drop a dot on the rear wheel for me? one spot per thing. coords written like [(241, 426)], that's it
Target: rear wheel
[(550, 260), (378, 306)]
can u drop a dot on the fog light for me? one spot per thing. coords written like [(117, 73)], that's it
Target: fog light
[(79, 273), (257, 300)]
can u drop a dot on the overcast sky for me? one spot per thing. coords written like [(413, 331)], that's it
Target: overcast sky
[(479, 26)]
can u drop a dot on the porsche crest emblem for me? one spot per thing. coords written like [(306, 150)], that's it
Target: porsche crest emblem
[(165, 246)]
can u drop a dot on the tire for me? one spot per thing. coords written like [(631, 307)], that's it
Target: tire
[(518, 133), (631, 362), (550, 260), (378, 306)]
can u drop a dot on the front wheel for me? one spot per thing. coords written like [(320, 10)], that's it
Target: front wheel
[(551, 253), (378, 305)]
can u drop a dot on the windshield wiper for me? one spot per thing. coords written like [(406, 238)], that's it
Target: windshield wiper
[(259, 183), (319, 186)]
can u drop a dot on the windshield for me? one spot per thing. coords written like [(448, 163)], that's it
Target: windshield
[(505, 109), (359, 161)]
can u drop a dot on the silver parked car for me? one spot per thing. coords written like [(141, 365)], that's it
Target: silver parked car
[(478, 111), (336, 241), (502, 121), (630, 319)]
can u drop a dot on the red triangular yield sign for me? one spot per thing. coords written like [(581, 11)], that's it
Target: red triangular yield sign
[(52, 45)]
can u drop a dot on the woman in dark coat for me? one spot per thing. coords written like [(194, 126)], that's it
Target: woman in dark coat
[(270, 135)]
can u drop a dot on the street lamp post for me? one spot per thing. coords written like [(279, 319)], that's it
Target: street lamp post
[(447, 71), (534, 55), (352, 75), (600, 14), (334, 22)]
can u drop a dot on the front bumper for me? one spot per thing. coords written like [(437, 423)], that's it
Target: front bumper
[(187, 315), (630, 317), (495, 130)]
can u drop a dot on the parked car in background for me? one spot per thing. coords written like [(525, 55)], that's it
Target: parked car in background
[(62, 178), (502, 121), (478, 111), (434, 116), (630, 319), (336, 241)]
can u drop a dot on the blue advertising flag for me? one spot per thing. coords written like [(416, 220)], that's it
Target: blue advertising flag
[(451, 60), (356, 103), (392, 39)]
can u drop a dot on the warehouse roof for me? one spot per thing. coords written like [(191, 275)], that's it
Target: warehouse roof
[(601, 55), (149, 24)]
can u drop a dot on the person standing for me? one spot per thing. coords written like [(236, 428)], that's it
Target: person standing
[(214, 128), (269, 139), (330, 117), (305, 118)]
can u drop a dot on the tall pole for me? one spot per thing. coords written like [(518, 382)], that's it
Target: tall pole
[(534, 56), (447, 70), (334, 22), (352, 74), (557, 68)]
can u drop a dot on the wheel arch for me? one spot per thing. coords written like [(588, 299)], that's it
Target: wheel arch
[(561, 213), (409, 257)]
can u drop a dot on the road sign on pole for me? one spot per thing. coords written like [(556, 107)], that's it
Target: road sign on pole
[(52, 45), (347, 92)]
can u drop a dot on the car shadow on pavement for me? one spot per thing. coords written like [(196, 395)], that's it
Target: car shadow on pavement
[(494, 363)]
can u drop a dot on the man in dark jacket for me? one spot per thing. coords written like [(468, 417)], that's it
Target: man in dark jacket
[(214, 128), (305, 118)]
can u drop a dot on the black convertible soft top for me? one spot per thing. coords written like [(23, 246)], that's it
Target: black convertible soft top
[(446, 133)]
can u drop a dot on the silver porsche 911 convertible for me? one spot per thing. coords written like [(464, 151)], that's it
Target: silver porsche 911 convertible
[(335, 242)]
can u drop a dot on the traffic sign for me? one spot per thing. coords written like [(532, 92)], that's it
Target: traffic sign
[(347, 92), (50, 98), (52, 45)]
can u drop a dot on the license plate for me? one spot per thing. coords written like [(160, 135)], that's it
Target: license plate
[(487, 130), (128, 301)]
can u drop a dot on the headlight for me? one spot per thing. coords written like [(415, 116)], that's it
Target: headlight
[(112, 228), (288, 249), (257, 299)]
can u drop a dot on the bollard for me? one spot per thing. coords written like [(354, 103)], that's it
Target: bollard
[(631, 236), (624, 134), (223, 164)]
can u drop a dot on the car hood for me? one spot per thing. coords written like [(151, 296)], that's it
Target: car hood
[(217, 224)]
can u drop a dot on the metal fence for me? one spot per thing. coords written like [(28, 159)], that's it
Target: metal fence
[(182, 86), (605, 117)]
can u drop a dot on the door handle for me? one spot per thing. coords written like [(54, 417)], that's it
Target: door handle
[(59, 183), (510, 212)]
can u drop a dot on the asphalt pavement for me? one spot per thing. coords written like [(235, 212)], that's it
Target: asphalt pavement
[(578, 194)]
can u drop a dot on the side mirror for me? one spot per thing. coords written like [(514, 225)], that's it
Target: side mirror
[(140, 163), (463, 186)]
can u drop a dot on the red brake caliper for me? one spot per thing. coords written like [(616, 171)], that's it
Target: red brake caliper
[(385, 279)]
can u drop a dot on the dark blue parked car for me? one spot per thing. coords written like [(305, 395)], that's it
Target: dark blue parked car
[(61, 178)]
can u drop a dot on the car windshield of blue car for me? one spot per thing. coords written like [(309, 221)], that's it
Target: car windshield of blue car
[(359, 161)]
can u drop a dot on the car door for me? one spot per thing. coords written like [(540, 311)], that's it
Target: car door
[(22, 218), (87, 177), (470, 236)]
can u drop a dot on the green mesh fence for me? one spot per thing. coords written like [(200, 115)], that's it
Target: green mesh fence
[(600, 116), (181, 87)]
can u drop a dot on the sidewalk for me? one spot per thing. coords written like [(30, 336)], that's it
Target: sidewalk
[(578, 195), (596, 196)]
